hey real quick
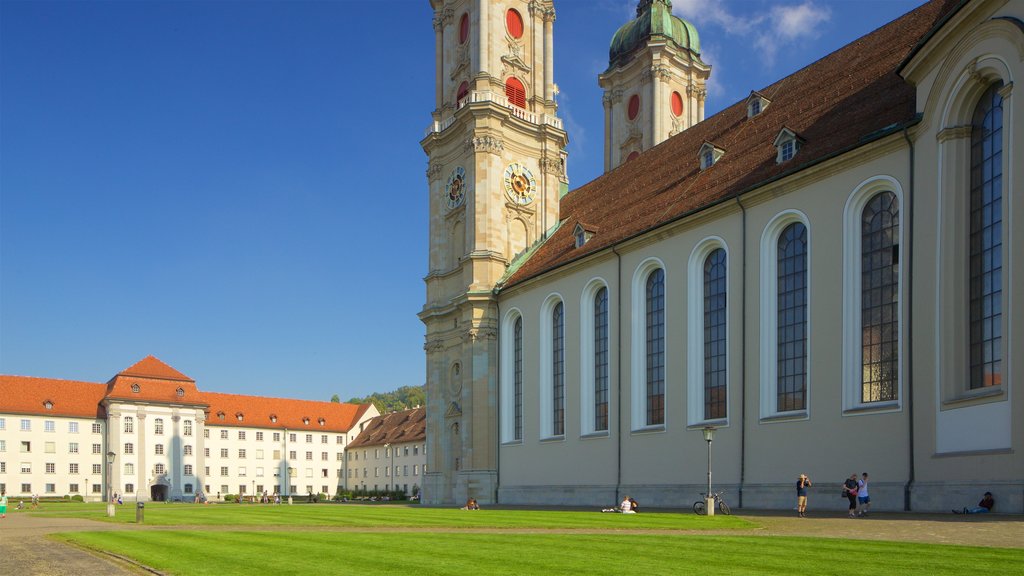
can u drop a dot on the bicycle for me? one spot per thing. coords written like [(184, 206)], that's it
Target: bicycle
[(700, 505)]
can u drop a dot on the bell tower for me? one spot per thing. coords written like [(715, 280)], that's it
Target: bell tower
[(655, 83), (495, 174)]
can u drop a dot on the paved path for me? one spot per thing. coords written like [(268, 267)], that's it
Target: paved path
[(25, 550)]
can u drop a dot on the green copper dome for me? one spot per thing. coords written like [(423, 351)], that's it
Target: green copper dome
[(653, 19)]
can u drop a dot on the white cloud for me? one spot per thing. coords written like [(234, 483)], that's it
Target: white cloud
[(780, 26)]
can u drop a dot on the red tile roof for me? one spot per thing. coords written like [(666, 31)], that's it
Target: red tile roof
[(835, 104), (159, 383), (69, 398), (394, 428)]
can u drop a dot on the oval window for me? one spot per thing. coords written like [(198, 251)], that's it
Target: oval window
[(514, 23), (677, 104), (632, 156), (516, 92), (464, 28), (634, 107)]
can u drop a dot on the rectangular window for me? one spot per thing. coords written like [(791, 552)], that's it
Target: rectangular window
[(714, 335), (51, 468), (97, 468), (73, 427), (241, 470), (129, 425), (292, 455), (259, 473), (241, 453), (158, 427), (51, 488), (341, 456), (415, 450), (206, 470), (129, 448), (129, 488), (97, 448), (206, 452), (277, 436), (309, 455), (129, 469), (96, 488), (3, 424), (73, 488), (223, 470), (291, 438), (26, 446), (188, 428), (158, 449), (3, 445), (50, 447), (656, 348), (277, 454), (323, 455), (26, 425), (323, 439), (97, 428), (223, 434), (73, 448), (188, 469), (188, 449), (26, 467), (206, 432), (309, 438), (223, 452), (26, 488), (241, 434), (415, 469), (49, 426), (338, 439), (601, 360), (259, 454), (259, 436)]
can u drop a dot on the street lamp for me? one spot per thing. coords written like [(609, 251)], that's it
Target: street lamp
[(709, 502), (110, 467)]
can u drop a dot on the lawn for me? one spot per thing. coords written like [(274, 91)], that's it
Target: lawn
[(398, 539), (390, 516)]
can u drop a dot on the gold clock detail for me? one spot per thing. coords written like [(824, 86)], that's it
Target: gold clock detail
[(520, 185)]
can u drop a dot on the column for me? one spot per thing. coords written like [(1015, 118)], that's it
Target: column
[(141, 473), (200, 471), (608, 137), (549, 58), (438, 62), (174, 456)]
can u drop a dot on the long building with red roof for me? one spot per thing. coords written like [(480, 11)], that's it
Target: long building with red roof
[(149, 433)]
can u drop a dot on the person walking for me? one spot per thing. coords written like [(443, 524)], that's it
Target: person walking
[(850, 488), (863, 498), (802, 483), (3, 504)]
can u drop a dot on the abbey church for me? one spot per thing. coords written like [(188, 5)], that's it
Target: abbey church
[(821, 276)]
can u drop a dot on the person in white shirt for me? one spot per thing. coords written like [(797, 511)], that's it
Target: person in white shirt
[(626, 507), (863, 499)]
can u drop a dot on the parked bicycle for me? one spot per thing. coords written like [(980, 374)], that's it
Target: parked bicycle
[(699, 507)]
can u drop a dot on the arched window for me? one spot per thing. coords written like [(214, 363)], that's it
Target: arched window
[(791, 310), (514, 23), (714, 335), (515, 92), (655, 345), (601, 360), (880, 285), (558, 370), (517, 387), (464, 28), (986, 241), (461, 94)]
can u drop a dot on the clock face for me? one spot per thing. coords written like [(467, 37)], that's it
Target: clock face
[(520, 185), (455, 189)]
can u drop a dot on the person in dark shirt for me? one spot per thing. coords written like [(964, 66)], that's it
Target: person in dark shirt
[(983, 507), (801, 494)]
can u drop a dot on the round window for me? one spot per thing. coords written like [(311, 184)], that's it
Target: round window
[(677, 104), (634, 107), (514, 23), (632, 156)]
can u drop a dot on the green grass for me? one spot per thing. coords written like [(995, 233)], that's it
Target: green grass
[(425, 553), (391, 516)]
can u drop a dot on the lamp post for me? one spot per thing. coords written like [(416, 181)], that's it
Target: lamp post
[(110, 467), (709, 502)]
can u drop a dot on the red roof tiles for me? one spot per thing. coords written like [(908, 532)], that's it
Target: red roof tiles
[(69, 398), (394, 428), (835, 104)]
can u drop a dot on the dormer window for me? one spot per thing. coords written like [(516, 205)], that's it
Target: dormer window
[(220, 415), (321, 421), (273, 418), (756, 103), (788, 144), (582, 234), (709, 155), (180, 392), (305, 421), (135, 388), (240, 416), (48, 405)]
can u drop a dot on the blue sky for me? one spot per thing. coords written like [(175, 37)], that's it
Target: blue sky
[(238, 188)]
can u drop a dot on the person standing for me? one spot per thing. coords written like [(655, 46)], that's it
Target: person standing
[(802, 483), (850, 489), (863, 498), (3, 504)]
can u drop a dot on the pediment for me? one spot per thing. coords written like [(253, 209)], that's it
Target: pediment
[(453, 410)]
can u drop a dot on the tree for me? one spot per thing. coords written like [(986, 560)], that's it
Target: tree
[(404, 398), (335, 398)]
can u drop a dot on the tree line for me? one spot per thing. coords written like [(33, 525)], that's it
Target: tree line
[(404, 398)]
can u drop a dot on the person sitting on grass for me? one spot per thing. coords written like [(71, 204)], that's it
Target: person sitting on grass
[(983, 507), (634, 505)]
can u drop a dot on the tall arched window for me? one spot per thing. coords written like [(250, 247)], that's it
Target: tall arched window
[(601, 360), (986, 241), (714, 335), (558, 370), (791, 310), (655, 325), (880, 287), (517, 378), (515, 92)]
